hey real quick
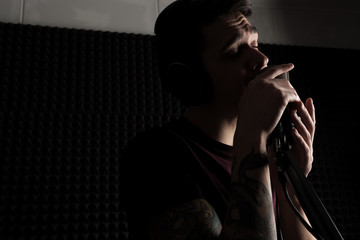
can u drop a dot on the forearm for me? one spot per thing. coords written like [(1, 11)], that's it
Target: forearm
[(291, 226), (250, 213)]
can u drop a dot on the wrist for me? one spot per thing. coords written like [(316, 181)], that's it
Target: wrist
[(247, 139)]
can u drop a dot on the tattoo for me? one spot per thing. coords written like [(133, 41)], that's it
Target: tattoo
[(251, 211), (193, 220)]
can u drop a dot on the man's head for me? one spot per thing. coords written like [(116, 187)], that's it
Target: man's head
[(181, 38)]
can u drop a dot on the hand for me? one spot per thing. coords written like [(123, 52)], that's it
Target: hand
[(303, 117), (262, 103)]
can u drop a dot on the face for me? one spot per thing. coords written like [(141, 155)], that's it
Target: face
[(231, 57)]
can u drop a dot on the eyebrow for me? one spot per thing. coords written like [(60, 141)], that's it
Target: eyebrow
[(238, 36)]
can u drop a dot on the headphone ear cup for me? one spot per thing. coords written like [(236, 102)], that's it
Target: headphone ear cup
[(178, 70), (184, 83)]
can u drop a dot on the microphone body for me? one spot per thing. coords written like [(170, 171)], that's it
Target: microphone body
[(281, 136)]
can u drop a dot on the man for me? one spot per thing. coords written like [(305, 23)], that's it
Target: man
[(210, 174)]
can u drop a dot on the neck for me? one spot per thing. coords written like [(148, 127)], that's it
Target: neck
[(214, 121)]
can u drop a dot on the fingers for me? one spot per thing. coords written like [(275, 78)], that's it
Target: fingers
[(309, 104), (303, 117), (273, 72), (303, 151), (276, 70)]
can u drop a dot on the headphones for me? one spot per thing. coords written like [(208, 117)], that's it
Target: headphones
[(192, 85)]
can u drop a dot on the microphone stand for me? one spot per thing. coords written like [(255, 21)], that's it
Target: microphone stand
[(322, 226)]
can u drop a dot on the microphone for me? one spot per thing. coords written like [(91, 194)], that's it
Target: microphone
[(281, 136)]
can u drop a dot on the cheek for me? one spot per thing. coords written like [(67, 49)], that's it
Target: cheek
[(228, 81), (228, 77)]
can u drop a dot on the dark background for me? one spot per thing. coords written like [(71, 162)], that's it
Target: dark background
[(71, 99)]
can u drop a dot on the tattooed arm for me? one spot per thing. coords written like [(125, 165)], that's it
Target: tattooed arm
[(250, 213), (192, 220)]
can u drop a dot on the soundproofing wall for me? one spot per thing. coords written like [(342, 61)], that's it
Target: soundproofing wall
[(70, 100)]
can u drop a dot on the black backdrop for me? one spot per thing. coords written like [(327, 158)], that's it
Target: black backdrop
[(71, 99)]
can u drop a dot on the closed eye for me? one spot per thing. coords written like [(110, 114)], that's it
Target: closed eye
[(237, 51)]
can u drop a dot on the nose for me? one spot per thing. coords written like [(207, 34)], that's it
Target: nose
[(259, 61)]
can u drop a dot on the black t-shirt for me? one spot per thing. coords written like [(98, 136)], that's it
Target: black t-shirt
[(174, 164)]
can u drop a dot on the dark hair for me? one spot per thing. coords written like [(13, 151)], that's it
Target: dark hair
[(179, 43)]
